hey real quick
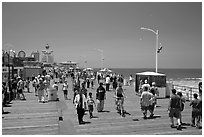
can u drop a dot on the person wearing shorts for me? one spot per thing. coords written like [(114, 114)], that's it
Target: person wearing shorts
[(174, 109), (145, 101), (91, 103), (196, 111)]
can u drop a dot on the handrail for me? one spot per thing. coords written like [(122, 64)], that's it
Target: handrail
[(186, 91)]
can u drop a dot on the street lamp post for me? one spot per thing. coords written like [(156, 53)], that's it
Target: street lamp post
[(9, 78), (157, 37), (13, 63), (85, 61)]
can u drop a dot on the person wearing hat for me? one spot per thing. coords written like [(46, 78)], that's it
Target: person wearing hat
[(100, 97)]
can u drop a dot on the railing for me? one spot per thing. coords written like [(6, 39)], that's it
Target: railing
[(186, 91)]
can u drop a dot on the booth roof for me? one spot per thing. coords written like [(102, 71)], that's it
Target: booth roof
[(150, 73)]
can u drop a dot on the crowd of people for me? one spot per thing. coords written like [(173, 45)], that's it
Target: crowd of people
[(83, 98), (148, 99), (13, 90), (148, 102)]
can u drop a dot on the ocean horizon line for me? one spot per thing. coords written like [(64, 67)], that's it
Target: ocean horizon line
[(145, 68)]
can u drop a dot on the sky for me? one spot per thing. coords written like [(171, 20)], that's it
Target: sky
[(76, 32)]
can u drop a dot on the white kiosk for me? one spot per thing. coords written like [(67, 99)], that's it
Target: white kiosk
[(158, 78)]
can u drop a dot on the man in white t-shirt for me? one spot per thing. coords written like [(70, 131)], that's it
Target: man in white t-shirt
[(65, 89), (107, 82), (145, 101)]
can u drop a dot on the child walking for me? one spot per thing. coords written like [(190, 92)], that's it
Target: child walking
[(90, 102)]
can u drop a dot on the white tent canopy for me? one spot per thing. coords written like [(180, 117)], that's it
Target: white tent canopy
[(88, 69), (106, 70), (150, 74)]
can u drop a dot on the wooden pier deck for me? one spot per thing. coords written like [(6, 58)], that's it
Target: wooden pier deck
[(30, 117)]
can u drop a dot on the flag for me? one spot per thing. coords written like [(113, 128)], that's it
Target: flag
[(159, 49)]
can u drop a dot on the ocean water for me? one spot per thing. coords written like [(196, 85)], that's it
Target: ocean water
[(185, 77), (181, 77), (171, 74), (190, 77)]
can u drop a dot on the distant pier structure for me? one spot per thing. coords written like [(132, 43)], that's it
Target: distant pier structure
[(36, 55), (47, 55)]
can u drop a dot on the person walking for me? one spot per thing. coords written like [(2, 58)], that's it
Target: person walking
[(88, 82), (55, 85), (98, 78), (145, 102), (4, 94), (120, 79), (90, 103), (41, 91), (146, 84), (65, 89), (183, 100), (27, 84), (92, 83), (84, 91), (152, 103), (35, 83), (200, 90), (14, 88), (174, 109), (196, 111), (119, 93), (47, 86), (79, 103), (107, 82), (115, 84), (20, 87), (140, 87), (155, 92), (100, 97), (76, 88), (130, 80)]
